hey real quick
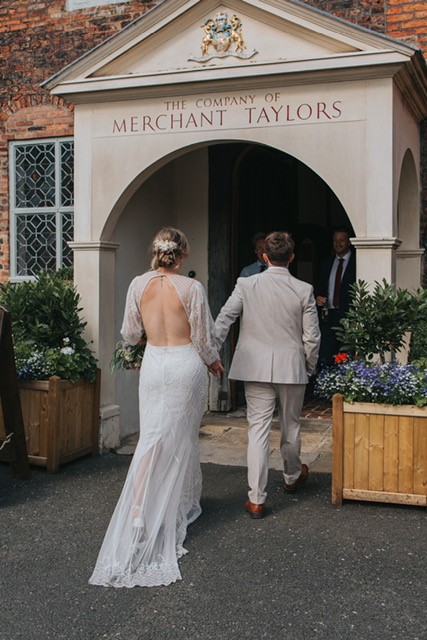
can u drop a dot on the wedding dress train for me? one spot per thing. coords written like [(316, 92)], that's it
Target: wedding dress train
[(161, 495)]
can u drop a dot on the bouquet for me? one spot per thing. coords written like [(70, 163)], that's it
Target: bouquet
[(128, 356)]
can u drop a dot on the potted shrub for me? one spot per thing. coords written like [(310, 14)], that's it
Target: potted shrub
[(379, 408), (57, 372)]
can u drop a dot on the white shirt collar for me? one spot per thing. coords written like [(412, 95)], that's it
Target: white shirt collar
[(346, 257), (278, 269)]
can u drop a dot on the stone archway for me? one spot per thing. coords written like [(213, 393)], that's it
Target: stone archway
[(197, 189), (253, 188), (408, 266)]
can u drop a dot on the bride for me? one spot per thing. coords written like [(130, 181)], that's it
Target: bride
[(161, 495)]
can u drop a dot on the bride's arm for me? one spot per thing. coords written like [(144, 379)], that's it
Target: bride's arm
[(202, 326), (132, 329)]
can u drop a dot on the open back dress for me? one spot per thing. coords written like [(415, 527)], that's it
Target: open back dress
[(161, 495)]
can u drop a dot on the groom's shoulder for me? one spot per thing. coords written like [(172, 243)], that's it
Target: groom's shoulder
[(247, 282), (301, 285)]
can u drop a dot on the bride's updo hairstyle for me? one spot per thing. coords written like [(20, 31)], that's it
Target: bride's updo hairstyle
[(167, 247)]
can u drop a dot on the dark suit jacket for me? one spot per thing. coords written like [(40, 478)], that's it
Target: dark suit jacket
[(348, 278)]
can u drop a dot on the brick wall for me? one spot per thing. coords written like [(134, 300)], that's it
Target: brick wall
[(407, 20), (366, 13), (39, 37)]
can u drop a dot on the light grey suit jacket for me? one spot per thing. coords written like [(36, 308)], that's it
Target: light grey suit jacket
[(279, 329)]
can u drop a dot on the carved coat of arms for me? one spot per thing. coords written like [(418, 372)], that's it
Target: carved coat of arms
[(223, 37)]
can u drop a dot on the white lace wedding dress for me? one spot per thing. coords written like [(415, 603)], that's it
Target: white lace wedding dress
[(161, 495)]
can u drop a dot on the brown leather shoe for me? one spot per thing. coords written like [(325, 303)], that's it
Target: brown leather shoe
[(255, 510), (291, 488)]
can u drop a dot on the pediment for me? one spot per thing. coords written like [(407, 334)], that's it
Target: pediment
[(175, 42), (189, 41)]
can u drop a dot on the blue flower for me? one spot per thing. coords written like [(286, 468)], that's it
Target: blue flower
[(360, 381)]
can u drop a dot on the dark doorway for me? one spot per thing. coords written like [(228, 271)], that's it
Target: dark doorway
[(255, 188)]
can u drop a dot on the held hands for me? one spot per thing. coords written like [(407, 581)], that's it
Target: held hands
[(216, 368), (321, 301)]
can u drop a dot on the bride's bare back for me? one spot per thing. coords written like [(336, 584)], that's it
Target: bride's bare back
[(165, 319)]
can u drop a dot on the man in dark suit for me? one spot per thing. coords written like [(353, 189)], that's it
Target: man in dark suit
[(333, 295)]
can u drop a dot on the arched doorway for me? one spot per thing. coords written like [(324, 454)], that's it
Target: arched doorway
[(222, 194), (254, 188)]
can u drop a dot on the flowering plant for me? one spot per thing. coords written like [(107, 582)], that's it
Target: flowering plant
[(360, 381), (47, 328), (128, 356), (35, 362)]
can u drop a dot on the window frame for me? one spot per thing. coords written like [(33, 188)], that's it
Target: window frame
[(55, 211)]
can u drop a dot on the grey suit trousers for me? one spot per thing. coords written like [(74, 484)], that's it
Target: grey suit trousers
[(261, 400)]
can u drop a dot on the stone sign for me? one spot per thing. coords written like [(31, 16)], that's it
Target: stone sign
[(232, 110)]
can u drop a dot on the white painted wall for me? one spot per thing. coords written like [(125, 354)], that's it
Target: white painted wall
[(149, 209), (407, 194), (177, 195)]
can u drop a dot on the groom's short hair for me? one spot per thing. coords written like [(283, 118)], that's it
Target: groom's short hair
[(279, 247)]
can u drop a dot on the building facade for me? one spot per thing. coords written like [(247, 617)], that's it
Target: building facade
[(221, 118)]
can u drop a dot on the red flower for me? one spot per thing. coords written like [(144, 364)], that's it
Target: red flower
[(340, 357)]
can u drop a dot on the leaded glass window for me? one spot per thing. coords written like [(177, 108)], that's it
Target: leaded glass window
[(42, 200)]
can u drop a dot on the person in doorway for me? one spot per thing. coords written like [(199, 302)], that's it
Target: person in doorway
[(161, 495), (259, 265), (275, 355), (333, 293)]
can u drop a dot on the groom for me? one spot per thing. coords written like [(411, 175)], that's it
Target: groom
[(277, 350)]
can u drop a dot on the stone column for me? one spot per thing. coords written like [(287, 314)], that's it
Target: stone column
[(94, 277), (376, 258)]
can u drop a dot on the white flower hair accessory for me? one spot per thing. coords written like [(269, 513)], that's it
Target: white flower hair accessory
[(166, 245)]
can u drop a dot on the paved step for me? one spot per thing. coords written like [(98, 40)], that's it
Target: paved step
[(223, 440)]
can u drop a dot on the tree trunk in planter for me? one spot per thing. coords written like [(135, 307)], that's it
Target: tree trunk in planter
[(61, 420), (379, 452)]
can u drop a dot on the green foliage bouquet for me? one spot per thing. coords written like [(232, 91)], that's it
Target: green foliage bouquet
[(128, 356), (47, 329)]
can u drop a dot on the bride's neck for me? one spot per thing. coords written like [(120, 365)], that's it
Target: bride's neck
[(167, 271)]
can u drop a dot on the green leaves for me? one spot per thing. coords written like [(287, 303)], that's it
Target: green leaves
[(377, 320), (45, 318)]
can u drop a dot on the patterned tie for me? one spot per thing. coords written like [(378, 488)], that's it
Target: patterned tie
[(337, 286), (262, 268)]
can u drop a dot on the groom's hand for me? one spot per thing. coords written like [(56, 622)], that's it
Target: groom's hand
[(216, 368)]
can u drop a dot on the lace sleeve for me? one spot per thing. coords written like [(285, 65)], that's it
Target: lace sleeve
[(201, 324), (132, 328)]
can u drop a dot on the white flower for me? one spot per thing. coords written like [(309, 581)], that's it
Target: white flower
[(165, 245), (68, 351), (66, 341)]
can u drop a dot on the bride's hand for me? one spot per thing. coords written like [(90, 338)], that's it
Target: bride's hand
[(216, 368)]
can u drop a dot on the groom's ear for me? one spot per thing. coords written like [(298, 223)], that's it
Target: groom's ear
[(265, 257), (291, 259)]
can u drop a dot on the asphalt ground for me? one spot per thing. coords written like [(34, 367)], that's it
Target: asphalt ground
[(308, 570)]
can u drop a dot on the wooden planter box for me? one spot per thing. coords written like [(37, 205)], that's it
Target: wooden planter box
[(379, 452), (61, 420)]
